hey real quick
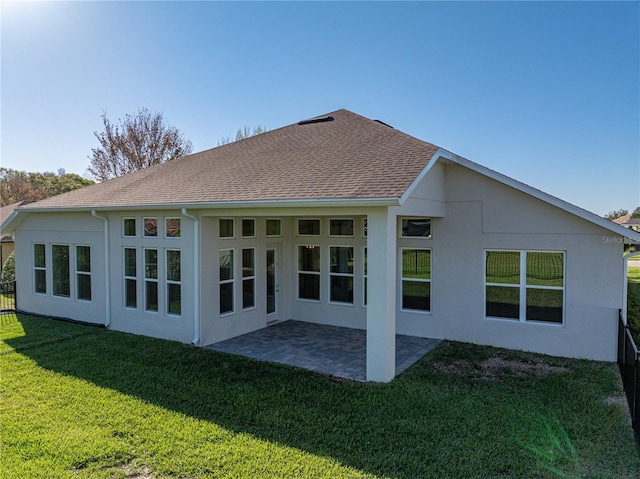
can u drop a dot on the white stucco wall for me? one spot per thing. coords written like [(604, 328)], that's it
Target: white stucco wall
[(72, 229), (484, 214)]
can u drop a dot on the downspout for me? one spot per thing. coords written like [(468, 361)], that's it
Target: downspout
[(107, 279), (625, 284), (196, 276)]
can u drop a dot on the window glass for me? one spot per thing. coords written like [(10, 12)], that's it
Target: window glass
[(309, 227), (309, 272), (83, 272), (174, 299), (226, 280), (174, 288), (248, 228), (341, 259), (130, 282), (416, 279), (40, 271), (130, 262), (416, 227), (309, 258), (364, 227), (83, 259), (129, 226), (273, 227), (151, 279), (173, 265), (226, 228), (172, 227), (226, 264), (309, 286), (151, 295), (131, 293), (39, 255), (151, 263), (364, 266), (341, 227), (545, 269), (248, 262), (61, 280), (503, 302), (503, 267), (151, 227)]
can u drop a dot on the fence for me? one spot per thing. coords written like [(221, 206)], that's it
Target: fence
[(8, 296), (629, 363)]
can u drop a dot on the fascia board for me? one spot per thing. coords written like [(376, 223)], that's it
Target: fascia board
[(541, 195)]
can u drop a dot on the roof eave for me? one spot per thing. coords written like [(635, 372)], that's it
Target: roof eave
[(442, 154)]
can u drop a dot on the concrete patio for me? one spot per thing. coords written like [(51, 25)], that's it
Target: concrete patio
[(331, 350)]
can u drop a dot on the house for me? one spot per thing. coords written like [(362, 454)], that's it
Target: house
[(338, 220), (6, 241), (628, 222)]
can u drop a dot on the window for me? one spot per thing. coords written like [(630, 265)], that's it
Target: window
[(151, 279), (309, 227), (226, 228), (525, 285), (61, 281), (364, 227), (248, 278), (172, 227), (274, 227), (40, 268), (416, 279), (365, 274), (341, 274), (309, 272), (340, 227), (174, 290), (130, 278), (248, 228), (129, 227), (83, 273), (150, 227), (226, 281), (416, 227)]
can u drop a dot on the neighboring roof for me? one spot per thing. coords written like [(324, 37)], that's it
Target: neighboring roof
[(627, 220), (346, 156), (623, 219)]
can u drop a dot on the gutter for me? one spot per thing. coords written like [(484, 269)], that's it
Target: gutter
[(107, 279), (196, 276)]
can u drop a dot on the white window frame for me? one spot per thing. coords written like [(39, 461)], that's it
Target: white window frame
[(131, 278), (365, 272), (40, 268), (421, 238), (309, 235), (266, 230), (417, 280), (523, 286), (232, 281), (172, 281), (344, 275), (144, 229), (233, 228), (82, 273), (166, 230), (353, 227), (247, 278), (151, 280), (135, 227), (253, 220), (299, 272)]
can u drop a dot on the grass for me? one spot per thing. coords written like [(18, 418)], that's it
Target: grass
[(79, 401)]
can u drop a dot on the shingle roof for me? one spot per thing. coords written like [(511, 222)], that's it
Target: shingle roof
[(350, 157), (7, 211)]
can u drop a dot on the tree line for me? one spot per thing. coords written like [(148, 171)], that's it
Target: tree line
[(18, 186), (613, 215)]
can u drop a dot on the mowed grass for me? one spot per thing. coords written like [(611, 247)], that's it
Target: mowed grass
[(633, 301), (79, 401)]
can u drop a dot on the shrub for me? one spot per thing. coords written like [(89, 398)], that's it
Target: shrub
[(9, 268)]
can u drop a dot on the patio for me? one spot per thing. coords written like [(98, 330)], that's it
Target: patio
[(331, 350)]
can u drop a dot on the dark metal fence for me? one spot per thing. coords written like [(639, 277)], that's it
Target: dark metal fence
[(8, 297), (629, 363)]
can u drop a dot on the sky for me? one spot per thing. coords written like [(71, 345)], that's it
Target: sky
[(547, 93)]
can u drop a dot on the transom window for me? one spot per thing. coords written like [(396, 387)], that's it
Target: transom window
[(308, 227), (150, 227), (248, 228), (416, 227), (525, 285), (416, 279), (274, 227), (341, 227), (341, 274), (309, 272), (172, 227), (226, 227), (129, 226)]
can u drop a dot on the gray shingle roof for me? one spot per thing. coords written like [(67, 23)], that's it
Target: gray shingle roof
[(351, 157)]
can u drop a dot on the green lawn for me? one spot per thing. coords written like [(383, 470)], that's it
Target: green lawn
[(79, 401), (633, 301)]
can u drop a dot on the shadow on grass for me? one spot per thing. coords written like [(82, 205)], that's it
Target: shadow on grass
[(423, 424)]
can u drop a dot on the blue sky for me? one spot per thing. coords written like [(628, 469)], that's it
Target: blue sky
[(545, 92)]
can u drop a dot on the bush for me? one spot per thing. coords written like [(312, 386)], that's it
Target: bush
[(9, 269)]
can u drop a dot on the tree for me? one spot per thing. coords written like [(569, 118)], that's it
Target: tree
[(22, 186), (616, 214), (9, 269), (242, 133), (636, 213), (139, 141)]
